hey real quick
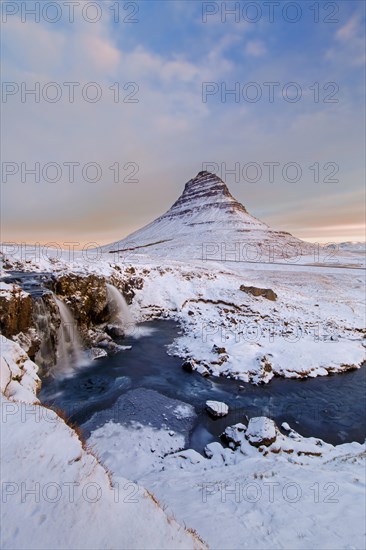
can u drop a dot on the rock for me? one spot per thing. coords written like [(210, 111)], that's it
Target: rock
[(115, 331), (29, 342), (267, 293), (191, 456), (233, 436), (86, 296), (286, 426), (202, 370), (102, 337), (217, 349), (261, 431), (213, 449), (16, 309), (188, 365), (97, 353), (217, 409)]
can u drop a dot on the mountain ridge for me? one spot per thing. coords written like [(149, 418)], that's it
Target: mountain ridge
[(205, 212)]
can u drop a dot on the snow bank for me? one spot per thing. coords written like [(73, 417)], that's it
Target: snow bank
[(290, 494), (56, 494)]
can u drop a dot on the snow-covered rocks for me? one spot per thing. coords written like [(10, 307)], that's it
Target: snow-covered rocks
[(97, 353), (234, 435), (190, 365), (218, 454), (19, 379), (217, 409), (261, 431)]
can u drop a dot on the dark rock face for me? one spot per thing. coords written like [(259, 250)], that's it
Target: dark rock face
[(188, 366), (86, 297), (33, 318), (218, 350), (15, 312), (267, 293), (204, 191)]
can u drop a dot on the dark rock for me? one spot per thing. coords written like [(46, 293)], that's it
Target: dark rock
[(218, 350), (267, 293), (16, 309), (233, 436), (188, 366)]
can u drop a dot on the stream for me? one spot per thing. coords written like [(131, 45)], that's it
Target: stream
[(332, 407)]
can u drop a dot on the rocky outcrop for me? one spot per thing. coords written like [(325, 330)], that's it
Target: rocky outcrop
[(217, 409), (233, 436), (206, 190), (86, 296), (267, 293), (32, 319), (261, 431), (15, 310)]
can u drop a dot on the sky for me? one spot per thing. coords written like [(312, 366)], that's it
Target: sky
[(133, 99)]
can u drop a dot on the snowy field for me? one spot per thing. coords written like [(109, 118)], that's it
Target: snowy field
[(280, 491)]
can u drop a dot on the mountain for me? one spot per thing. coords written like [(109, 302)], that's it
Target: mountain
[(207, 222)]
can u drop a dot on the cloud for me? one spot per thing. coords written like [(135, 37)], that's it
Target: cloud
[(169, 132), (349, 45), (255, 48)]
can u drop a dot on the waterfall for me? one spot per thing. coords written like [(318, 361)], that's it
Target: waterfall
[(46, 355), (69, 349), (120, 313)]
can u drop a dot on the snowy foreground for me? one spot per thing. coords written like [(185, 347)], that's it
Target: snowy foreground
[(295, 493), (289, 492), (55, 493)]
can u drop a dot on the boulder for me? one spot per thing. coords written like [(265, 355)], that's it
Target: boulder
[(267, 293), (217, 409), (188, 365), (233, 436), (218, 350), (97, 353), (261, 431)]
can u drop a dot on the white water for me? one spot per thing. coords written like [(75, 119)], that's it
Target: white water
[(120, 313), (69, 353), (45, 356)]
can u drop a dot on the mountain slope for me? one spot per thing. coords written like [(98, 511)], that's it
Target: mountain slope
[(206, 222)]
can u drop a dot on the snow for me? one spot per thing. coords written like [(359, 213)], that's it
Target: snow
[(261, 430), (291, 495), (315, 327), (216, 408), (55, 492), (18, 376), (266, 489)]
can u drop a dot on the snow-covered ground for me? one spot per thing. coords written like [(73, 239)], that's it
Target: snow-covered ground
[(296, 493), (252, 303), (316, 324), (55, 492)]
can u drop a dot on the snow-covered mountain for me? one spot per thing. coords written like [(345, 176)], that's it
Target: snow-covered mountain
[(207, 222)]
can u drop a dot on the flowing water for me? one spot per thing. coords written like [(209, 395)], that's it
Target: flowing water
[(120, 313), (69, 354), (331, 407)]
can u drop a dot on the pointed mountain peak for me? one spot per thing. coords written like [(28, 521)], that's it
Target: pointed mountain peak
[(203, 191), (206, 181), (206, 212)]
